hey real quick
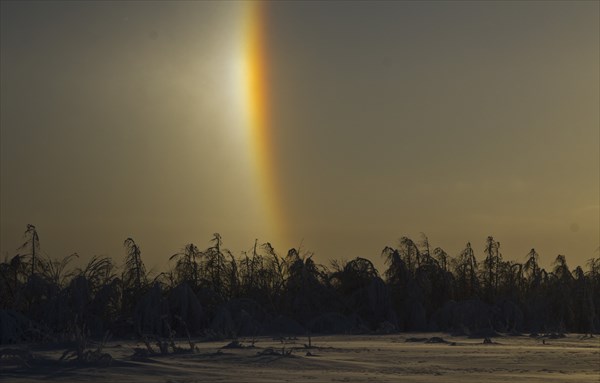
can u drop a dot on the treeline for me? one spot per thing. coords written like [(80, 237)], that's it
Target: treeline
[(212, 293)]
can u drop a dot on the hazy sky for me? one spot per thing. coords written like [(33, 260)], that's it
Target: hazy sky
[(457, 119)]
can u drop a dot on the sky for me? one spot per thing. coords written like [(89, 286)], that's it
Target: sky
[(337, 127)]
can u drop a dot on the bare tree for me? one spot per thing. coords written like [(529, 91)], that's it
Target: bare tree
[(134, 274), (32, 243)]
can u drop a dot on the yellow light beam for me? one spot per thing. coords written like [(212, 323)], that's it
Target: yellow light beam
[(258, 101)]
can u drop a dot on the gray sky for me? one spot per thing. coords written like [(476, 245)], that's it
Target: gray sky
[(457, 119)]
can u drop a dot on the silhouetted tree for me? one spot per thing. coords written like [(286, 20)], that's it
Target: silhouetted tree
[(188, 266), (442, 257), (465, 267), (32, 243), (561, 299), (491, 268), (134, 274), (211, 290)]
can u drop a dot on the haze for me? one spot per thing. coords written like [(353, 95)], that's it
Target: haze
[(457, 119)]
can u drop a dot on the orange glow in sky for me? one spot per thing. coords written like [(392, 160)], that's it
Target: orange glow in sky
[(260, 125)]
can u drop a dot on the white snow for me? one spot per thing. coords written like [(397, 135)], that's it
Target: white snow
[(339, 358)]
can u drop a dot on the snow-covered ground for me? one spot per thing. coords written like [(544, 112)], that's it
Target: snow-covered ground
[(351, 358)]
